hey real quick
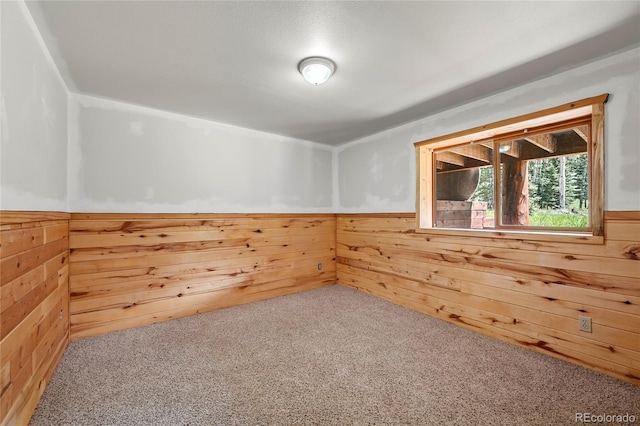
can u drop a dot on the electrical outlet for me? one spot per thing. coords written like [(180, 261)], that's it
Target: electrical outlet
[(319, 266), (584, 324)]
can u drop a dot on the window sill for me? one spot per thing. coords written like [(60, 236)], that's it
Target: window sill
[(502, 234)]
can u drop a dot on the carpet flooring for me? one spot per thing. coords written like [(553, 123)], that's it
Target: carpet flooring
[(332, 356)]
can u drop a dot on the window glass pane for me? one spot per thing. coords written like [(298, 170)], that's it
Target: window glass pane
[(544, 169), (465, 187), (544, 180)]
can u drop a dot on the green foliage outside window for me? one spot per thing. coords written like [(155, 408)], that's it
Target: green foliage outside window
[(545, 201)]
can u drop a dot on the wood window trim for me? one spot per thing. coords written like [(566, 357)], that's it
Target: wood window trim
[(425, 187)]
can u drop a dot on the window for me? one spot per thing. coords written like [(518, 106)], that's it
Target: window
[(540, 172)]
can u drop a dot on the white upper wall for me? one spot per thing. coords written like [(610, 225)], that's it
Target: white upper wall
[(377, 173), (130, 159), (62, 152), (33, 111)]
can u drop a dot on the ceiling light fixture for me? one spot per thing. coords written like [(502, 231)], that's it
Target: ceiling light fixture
[(316, 70)]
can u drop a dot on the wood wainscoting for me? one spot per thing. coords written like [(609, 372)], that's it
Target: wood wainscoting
[(129, 270), (530, 293), (34, 300)]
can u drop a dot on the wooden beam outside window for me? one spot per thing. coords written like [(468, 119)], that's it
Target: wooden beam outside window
[(544, 141), (477, 152)]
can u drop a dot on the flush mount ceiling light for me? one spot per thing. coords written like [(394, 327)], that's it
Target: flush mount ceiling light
[(316, 70)]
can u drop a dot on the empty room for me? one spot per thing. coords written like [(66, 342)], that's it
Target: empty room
[(327, 213)]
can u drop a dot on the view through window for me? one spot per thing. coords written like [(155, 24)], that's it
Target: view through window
[(543, 182), (541, 173)]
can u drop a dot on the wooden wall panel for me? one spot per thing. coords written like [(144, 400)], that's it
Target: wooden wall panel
[(129, 270), (525, 292), (34, 307)]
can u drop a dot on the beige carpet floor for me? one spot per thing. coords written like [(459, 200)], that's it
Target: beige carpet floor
[(332, 356)]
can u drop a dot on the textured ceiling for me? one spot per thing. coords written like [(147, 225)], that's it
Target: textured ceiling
[(236, 62)]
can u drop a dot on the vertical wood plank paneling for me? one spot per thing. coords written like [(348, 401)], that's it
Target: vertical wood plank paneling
[(525, 292), (132, 270), (34, 307)]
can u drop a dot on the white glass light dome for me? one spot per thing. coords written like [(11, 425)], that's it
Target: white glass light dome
[(316, 70)]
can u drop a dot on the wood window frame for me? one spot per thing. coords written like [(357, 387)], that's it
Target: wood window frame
[(512, 127)]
